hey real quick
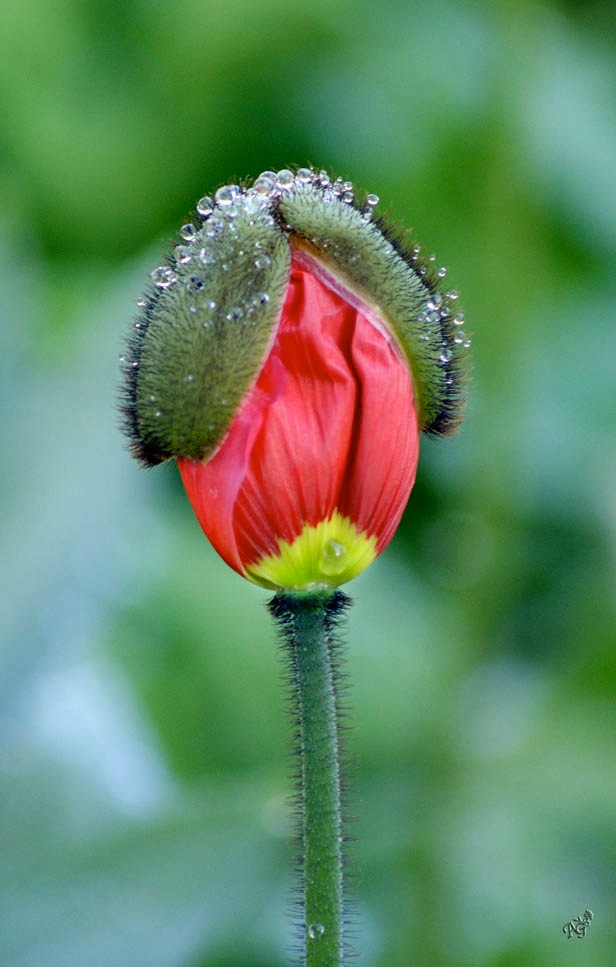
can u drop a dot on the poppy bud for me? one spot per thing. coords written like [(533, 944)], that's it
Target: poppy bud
[(288, 354)]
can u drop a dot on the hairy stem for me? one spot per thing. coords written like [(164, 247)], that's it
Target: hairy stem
[(308, 623)]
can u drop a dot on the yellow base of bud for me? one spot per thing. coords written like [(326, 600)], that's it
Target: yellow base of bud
[(323, 556)]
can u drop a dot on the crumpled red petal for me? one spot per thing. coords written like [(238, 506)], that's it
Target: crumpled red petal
[(330, 424)]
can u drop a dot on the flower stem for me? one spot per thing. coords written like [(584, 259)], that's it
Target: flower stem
[(308, 623)]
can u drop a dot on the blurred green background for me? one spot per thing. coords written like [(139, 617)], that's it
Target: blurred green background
[(143, 738)]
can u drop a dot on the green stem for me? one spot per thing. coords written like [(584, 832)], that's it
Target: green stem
[(308, 623)]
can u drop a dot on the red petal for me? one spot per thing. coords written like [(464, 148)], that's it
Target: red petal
[(330, 424)]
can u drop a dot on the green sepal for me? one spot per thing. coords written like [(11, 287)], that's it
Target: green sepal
[(389, 276), (210, 316), (204, 333)]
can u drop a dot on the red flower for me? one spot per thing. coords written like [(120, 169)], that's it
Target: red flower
[(288, 355), (313, 475)]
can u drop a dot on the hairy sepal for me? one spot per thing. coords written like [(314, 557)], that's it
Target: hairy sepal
[(201, 340), (391, 278)]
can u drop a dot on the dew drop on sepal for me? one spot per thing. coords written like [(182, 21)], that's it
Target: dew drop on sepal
[(265, 183), (254, 202), (206, 257), (183, 254), (226, 195), (163, 276), (205, 206), (284, 179)]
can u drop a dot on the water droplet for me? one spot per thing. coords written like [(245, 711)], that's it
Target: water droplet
[(152, 398), (254, 202), (163, 276), (459, 337), (372, 200), (445, 356), (452, 295), (214, 226), (205, 206), (415, 252), (263, 262), (304, 175), (122, 358), (225, 267), (194, 283), (141, 303), (432, 258), (226, 195), (183, 254), (442, 272), (192, 309), (206, 257), (458, 319), (264, 299), (264, 185), (189, 378), (284, 179), (332, 557), (467, 343), (236, 314), (316, 931), (348, 197), (324, 179), (188, 232), (158, 413), (348, 186), (211, 305)]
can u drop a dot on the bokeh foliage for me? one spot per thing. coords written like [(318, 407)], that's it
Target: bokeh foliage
[(143, 736)]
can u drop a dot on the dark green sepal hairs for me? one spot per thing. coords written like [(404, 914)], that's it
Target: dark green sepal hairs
[(211, 311)]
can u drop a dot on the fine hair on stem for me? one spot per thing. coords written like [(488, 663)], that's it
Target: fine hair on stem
[(312, 650)]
